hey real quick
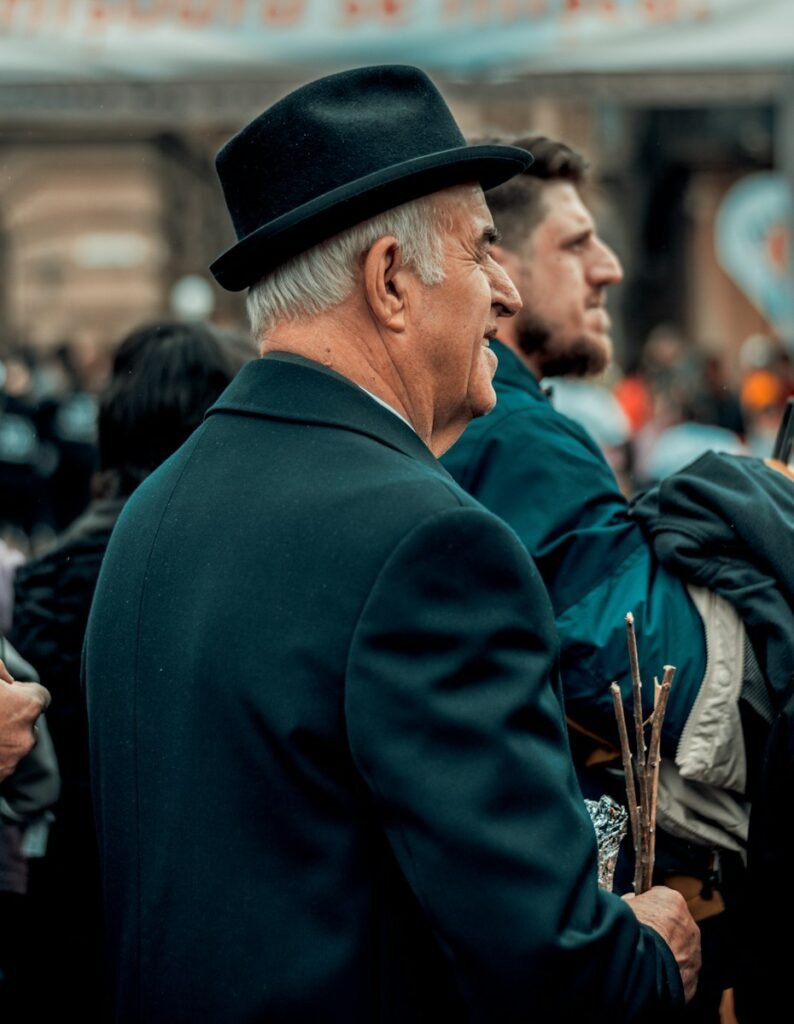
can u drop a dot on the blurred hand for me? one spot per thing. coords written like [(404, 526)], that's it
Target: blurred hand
[(665, 911), (20, 706), (781, 467)]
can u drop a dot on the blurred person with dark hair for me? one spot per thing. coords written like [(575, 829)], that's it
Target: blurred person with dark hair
[(25, 463), (164, 378), (664, 373), (547, 478), (695, 408), (66, 420), (715, 399)]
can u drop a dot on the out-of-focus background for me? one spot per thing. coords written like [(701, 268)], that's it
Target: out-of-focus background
[(111, 112)]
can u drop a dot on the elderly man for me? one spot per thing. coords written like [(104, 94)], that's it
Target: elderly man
[(329, 753), (20, 706)]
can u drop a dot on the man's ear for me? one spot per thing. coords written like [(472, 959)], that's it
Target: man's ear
[(385, 279)]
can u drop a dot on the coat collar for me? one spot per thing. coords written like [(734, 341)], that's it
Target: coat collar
[(513, 373), (288, 387)]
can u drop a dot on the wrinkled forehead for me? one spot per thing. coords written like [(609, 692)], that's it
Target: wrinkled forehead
[(468, 196), (462, 210)]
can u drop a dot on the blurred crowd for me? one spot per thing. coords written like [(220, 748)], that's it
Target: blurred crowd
[(73, 446), (48, 408), (678, 401), (669, 405), (673, 402)]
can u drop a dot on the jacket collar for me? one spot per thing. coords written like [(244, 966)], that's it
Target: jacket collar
[(284, 386), (511, 372)]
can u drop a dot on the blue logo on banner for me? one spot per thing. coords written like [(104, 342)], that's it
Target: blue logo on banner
[(753, 243)]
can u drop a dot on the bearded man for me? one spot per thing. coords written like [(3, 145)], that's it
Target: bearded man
[(544, 475)]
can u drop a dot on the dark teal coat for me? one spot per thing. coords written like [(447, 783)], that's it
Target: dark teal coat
[(543, 474), (328, 749)]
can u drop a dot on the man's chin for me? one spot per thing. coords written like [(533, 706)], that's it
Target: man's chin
[(487, 399), (477, 405), (483, 402), (585, 357), (489, 408)]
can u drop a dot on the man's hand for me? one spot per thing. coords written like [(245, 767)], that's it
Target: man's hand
[(20, 706), (665, 911)]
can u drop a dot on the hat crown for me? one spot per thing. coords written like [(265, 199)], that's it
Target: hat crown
[(335, 152), (329, 133)]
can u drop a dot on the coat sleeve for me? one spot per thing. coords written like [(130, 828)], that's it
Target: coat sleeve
[(455, 721)]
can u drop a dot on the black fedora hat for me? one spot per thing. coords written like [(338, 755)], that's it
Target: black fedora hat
[(337, 151)]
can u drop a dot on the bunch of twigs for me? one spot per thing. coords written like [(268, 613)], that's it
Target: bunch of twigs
[(642, 769)]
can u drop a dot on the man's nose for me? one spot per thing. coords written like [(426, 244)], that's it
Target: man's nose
[(605, 268), (504, 294)]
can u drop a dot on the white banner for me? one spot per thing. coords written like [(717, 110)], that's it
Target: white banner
[(197, 39)]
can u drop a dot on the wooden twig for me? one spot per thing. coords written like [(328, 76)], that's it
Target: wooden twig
[(636, 687), (661, 694), (628, 770), (642, 771), (640, 864)]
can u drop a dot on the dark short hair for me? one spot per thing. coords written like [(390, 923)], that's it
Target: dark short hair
[(517, 206), (164, 378)]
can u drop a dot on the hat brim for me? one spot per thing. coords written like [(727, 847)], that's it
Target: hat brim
[(294, 232)]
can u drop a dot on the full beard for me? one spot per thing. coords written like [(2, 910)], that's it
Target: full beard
[(582, 356)]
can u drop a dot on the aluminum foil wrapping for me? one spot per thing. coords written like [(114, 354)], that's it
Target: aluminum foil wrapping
[(610, 821)]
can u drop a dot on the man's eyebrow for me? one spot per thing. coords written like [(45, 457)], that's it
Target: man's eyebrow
[(581, 235), (489, 237)]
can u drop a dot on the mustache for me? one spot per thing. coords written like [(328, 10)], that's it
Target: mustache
[(597, 300)]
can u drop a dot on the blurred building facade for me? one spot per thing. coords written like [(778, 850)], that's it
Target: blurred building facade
[(108, 196)]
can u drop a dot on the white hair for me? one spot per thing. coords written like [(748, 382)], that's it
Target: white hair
[(320, 278)]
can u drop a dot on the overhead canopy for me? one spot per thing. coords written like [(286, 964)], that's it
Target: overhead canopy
[(74, 40)]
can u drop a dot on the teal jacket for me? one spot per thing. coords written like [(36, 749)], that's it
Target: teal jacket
[(544, 475)]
